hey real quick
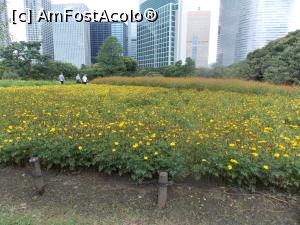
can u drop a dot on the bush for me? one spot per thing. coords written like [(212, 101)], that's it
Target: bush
[(10, 75)]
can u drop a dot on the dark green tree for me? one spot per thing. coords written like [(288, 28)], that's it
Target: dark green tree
[(130, 64), (21, 56), (189, 67), (110, 57)]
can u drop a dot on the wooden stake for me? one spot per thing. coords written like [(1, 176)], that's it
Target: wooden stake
[(37, 175), (162, 190)]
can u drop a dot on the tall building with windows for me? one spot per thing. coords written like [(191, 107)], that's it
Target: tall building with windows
[(246, 25), (132, 40), (99, 32), (72, 39), (40, 31), (156, 41), (198, 34), (120, 31), (4, 30)]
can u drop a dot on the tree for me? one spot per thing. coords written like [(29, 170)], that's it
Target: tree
[(189, 67), (110, 56), (21, 56), (130, 64)]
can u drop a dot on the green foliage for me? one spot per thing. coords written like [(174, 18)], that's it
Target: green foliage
[(179, 70), (278, 62), (130, 64), (52, 69), (93, 71), (110, 56)]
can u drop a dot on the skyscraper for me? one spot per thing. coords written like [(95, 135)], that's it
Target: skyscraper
[(156, 41), (198, 33), (72, 39), (4, 30), (40, 31), (132, 40), (246, 25), (101, 31), (120, 31)]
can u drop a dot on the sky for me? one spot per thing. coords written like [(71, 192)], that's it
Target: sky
[(18, 32)]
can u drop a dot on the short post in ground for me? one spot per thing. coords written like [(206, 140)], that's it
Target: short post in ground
[(37, 175), (162, 189)]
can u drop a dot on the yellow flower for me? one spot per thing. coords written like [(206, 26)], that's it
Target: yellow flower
[(156, 153), (229, 167), (265, 167), (234, 161), (114, 150), (136, 145), (277, 155), (204, 160), (286, 155), (254, 154), (146, 158), (173, 144), (52, 130), (116, 143), (232, 145), (80, 148)]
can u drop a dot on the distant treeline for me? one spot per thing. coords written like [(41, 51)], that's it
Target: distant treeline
[(278, 62)]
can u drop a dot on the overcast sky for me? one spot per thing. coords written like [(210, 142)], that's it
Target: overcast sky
[(18, 32)]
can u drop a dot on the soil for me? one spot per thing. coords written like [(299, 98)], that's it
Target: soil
[(88, 197)]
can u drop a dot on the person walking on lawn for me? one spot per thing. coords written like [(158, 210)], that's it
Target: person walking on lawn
[(61, 78)]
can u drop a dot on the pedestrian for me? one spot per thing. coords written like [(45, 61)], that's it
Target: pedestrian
[(84, 79), (78, 79), (61, 78)]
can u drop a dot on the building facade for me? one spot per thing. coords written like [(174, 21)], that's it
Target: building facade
[(120, 31), (198, 34), (4, 29), (246, 25), (132, 40), (40, 31), (156, 41), (99, 32), (72, 39)]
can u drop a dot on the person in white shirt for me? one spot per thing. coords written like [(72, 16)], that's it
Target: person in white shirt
[(84, 79), (78, 79), (61, 78)]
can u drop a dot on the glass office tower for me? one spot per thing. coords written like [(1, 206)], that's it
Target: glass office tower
[(156, 41), (40, 31), (72, 39), (120, 31), (101, 31), (246, 25)]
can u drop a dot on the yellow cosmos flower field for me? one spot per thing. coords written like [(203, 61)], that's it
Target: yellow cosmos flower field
[(245, 139)]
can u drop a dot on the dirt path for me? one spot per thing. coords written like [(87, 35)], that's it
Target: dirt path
[(90, 198)]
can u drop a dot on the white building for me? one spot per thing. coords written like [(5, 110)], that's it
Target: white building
[(246, 25), (198, 34), (40, 31), (72, 39), (4, 30)]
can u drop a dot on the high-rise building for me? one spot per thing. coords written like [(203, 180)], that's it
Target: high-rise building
[(101, 31), (132, 40), (198, 34), (120, 31), (72, 39), (156, 41), (246, 25), (40, 31), (4, 30)]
